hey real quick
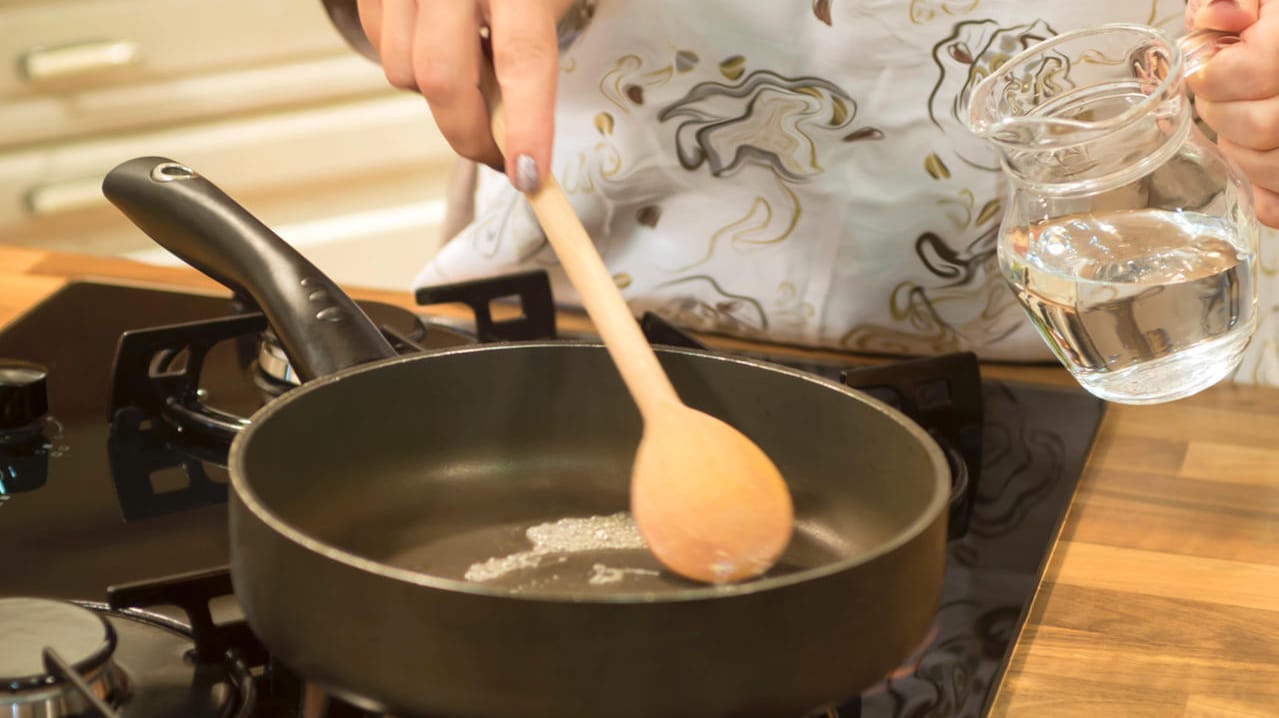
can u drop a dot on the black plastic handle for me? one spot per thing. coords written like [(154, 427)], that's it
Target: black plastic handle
[(321, 328)]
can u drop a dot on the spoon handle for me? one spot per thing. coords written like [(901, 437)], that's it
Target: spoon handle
[(634, 357), (617, 327)]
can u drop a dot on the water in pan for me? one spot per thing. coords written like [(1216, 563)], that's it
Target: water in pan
[(573, 555), (555, 540)]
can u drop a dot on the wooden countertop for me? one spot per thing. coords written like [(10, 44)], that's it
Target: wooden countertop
[(1160, 599)]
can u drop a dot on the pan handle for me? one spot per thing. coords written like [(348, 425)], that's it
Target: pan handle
[(321, 328)]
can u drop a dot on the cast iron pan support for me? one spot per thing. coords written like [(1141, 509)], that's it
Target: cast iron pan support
[(532, 289)]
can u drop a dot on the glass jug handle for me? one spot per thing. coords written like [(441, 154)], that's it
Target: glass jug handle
[(1198, 47)]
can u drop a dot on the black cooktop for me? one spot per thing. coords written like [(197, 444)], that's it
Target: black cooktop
[(104, 503)]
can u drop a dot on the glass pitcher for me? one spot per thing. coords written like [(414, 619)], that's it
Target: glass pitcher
[(1129, 239)]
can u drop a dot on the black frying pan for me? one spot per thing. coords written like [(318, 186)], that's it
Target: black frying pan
[(362, 500)]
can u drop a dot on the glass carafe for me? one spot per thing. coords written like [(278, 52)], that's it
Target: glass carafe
[(1129, 239)]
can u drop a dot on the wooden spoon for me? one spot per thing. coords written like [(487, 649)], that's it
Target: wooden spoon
[(709, 503)]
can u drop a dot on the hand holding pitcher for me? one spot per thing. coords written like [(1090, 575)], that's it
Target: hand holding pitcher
[(1129, 239), (1237, 94)]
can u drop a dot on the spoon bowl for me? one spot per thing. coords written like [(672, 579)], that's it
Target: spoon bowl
[(709, 503)]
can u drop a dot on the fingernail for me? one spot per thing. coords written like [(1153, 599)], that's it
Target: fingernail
[(1227, 2), (526, 177)]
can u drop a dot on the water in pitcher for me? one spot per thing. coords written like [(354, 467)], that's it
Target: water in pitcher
[(1143, 306)]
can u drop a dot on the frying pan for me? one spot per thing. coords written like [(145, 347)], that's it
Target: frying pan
[(361, 501)]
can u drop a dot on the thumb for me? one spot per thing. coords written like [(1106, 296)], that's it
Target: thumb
[(1230, 15)]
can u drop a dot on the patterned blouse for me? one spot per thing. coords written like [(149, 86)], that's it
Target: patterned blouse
[(796, 171)]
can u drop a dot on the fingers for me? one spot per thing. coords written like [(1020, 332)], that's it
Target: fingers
[(370, 12), (446, 64), (1262, 168), (1232, 15), (525, 57), (1267, 207), (433, 48), (395, 42), (1248, 70), (1253, 124), (1237, 92)]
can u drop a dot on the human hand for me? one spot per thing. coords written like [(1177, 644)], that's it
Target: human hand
[(434, 47), (1237, 92)]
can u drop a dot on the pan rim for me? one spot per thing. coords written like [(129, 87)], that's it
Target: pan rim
[(935, 510)]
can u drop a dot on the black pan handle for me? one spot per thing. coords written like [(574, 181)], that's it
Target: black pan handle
[(321, 328)]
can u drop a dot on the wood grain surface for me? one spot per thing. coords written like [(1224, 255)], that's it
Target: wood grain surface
[(1161, 597)]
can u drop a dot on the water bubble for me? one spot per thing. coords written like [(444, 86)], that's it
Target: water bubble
[(564, 536), (601, 574)]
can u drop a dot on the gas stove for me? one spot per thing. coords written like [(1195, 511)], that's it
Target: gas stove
[(118, 403)]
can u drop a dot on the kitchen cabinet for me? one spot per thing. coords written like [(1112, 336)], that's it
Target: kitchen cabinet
[(264, 98)]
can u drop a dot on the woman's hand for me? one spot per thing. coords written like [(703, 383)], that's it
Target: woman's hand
[(433, 46), (1237, 92)]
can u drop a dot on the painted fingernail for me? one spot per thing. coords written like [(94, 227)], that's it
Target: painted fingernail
[(526, 177)]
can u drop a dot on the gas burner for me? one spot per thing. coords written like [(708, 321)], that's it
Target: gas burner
[(42, 636), (79, 659), (273, 375), (271, 370)]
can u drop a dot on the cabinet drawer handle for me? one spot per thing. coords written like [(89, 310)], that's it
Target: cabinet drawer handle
[(78, 59), (64, 196)]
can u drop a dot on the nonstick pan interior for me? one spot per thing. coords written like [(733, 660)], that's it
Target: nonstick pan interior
[(432, 466)]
